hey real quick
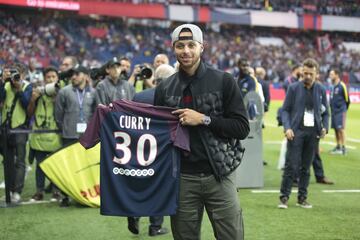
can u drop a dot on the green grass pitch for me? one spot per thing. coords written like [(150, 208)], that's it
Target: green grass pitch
[(335, 216)]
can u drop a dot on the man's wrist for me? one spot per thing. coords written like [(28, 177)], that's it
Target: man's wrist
[(206, 120)]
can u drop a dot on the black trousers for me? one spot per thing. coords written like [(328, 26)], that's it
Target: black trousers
[(300, 155)]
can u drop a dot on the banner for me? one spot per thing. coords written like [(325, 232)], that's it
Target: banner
[(323, 43), (76, 171)]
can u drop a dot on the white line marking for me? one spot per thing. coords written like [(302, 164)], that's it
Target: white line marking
[(322, 142), (324, 191), (347, 139), (33, 202), (271, 191), (342, 191)]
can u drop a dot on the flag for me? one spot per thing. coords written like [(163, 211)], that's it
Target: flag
[(323, 43), (76, 172)]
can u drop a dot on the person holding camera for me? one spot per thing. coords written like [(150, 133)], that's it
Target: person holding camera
[(112, 87), (41, 107), (15, 94)]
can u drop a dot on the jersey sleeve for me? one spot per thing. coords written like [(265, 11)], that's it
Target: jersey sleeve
[(181, 138), (92, 133)]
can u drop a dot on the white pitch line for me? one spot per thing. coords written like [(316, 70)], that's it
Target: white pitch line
[(342, 191), (34, 202), (322, 142), (347, 139), (324, 191), (271, 191)]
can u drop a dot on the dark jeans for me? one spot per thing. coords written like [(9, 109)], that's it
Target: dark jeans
[(16, 152), (301, 151), (219, 199), (39, 174)]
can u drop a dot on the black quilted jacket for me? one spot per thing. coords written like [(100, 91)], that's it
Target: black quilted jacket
[(215, 94)]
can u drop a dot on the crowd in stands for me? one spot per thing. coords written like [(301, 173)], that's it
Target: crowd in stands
[(50, 39), (324, 7)]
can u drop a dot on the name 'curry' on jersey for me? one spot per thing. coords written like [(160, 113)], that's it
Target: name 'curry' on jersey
[(140, 155)]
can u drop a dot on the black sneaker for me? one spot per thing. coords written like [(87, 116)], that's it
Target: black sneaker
[(283, 202), (38, 196), (303, 203), (65, 202), (157, 231), (133, 225)]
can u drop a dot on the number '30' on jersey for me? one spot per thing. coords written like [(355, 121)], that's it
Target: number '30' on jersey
[(141, 147)]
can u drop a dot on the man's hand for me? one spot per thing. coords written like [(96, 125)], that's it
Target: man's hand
[(189, 117), (289, 134), (17, 85), (35, 94), (323, 133)]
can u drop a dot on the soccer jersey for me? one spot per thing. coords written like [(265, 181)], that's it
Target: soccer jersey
[(141, 147), (339, 99)]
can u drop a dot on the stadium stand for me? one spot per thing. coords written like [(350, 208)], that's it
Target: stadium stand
[(93, 41)]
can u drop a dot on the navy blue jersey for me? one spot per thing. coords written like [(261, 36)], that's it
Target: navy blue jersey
[(339, 98), (140, 155)]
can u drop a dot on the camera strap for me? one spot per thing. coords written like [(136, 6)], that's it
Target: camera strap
[(10, 112)]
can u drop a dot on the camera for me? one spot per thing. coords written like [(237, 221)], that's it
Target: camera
[(49, 89), (145, 72), (98, 73), (14, 75)]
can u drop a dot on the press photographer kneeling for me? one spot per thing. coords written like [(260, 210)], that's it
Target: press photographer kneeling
[(41, 107), (15, 94)]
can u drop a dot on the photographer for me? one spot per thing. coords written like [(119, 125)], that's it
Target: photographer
[(68, 63), (15, 94), (41, 106), (142, 77), (112, 87)]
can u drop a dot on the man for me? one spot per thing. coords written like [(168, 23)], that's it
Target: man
[(74, 106), (339, 103), (246, 82), (160, 59), (68, 63), (112, 87), (260, 74), (15, 94), (147, 96), (305, 118), (42, 107), (293, 77), (211, 106)]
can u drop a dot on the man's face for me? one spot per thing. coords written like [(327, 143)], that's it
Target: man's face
[(78, 79), (333, 76), (51, 77), (160, 59), (6, 73), (244, 67), (187, 51), (114, 71), (66, 65), (125, 66), (309, 75)]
